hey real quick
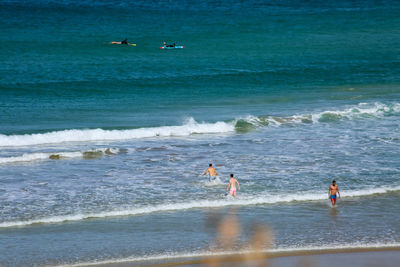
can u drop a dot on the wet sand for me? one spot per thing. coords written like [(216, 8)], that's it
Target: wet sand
[(352, 257)]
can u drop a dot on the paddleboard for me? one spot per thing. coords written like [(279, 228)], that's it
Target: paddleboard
[(172, 47)]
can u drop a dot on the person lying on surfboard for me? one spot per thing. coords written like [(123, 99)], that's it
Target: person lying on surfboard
[(124, 42), (167, 45)]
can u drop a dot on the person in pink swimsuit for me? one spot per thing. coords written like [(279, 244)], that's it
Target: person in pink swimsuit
[(232, 185)]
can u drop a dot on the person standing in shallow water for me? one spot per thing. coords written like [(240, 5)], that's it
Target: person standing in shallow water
[(333, 189), (211, 172), (232, 185)]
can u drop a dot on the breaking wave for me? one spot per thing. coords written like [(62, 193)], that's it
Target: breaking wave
[(362, 110), (268, 198), (191, 127)]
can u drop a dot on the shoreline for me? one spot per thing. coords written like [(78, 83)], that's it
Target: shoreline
[(244, 256)]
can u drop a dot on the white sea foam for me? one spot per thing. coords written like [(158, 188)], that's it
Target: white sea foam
[(261, 199), (25, 157), (214, 182), (28, 157), (192, 127), (38, 156), (204, 253)]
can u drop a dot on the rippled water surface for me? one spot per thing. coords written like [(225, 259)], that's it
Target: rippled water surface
[(102, 146)]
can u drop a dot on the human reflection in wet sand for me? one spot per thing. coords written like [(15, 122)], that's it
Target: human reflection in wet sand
[(229, 230)]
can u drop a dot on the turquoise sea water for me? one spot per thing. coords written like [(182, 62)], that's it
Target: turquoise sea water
[(101, 146)]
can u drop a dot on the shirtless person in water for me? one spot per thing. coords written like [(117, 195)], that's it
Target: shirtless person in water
[(332, 192), (211, 172), (232, 184)]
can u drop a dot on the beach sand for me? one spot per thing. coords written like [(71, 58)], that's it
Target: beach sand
[(344, 259), (351, 257)]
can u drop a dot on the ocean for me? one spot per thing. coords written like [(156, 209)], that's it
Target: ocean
[(102, 146)]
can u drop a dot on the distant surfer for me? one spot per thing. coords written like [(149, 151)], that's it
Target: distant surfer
[(232, 185), (124, 42), (333, 189), (212, 173), (168, 45)]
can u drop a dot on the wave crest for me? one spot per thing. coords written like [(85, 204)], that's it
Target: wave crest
[(362, 110), (190, 127)]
